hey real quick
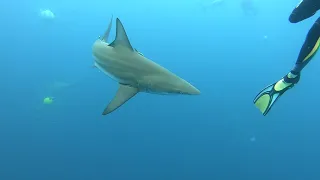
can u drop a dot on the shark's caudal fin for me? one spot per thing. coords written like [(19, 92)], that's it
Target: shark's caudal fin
[(124, 93), (107, 33), (121, 37)]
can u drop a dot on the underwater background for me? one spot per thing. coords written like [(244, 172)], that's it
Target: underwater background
[(228, 54)]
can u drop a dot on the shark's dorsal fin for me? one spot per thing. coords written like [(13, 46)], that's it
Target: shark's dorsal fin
[(124, 93), (121, 37), (107, 33)]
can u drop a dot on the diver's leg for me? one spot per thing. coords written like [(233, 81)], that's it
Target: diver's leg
[(308, 50), (269, 95), (304, 10)]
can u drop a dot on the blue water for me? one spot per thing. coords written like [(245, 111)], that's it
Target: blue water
[(218, 135)]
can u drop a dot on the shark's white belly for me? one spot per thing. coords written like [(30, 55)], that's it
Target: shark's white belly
[(110, 74)]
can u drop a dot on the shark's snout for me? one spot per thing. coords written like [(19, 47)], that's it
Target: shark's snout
[(196, 91), (193, 91), (187, 88)]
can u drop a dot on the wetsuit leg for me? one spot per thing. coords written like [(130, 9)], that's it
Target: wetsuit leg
[(309, 48), (304, 10)]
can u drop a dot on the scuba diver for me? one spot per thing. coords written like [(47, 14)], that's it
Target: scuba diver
[(270, 94)]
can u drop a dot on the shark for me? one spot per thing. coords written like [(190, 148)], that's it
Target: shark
[(132, 70)]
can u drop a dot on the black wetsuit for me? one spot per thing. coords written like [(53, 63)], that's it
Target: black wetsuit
[(304, 10)]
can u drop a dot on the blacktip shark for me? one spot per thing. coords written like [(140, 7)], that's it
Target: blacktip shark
[(134, 72)]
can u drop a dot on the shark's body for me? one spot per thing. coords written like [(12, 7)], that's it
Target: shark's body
[(134, 72)]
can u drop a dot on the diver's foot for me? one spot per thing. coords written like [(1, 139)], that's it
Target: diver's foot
[(292, 78), (287, 82), (269, 95)]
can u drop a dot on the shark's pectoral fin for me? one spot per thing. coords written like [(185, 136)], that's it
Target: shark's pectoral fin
[(124, 93), (121, 39)]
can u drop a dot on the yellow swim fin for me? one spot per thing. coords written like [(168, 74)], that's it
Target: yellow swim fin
[(270, 94)]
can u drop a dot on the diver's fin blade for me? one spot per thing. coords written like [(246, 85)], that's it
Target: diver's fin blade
[(124, 93), (263, 101), (121, 37), (107, 33), (270, 94)]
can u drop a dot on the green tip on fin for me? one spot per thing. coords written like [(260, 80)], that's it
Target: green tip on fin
[(262, 103), (270, 94)]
